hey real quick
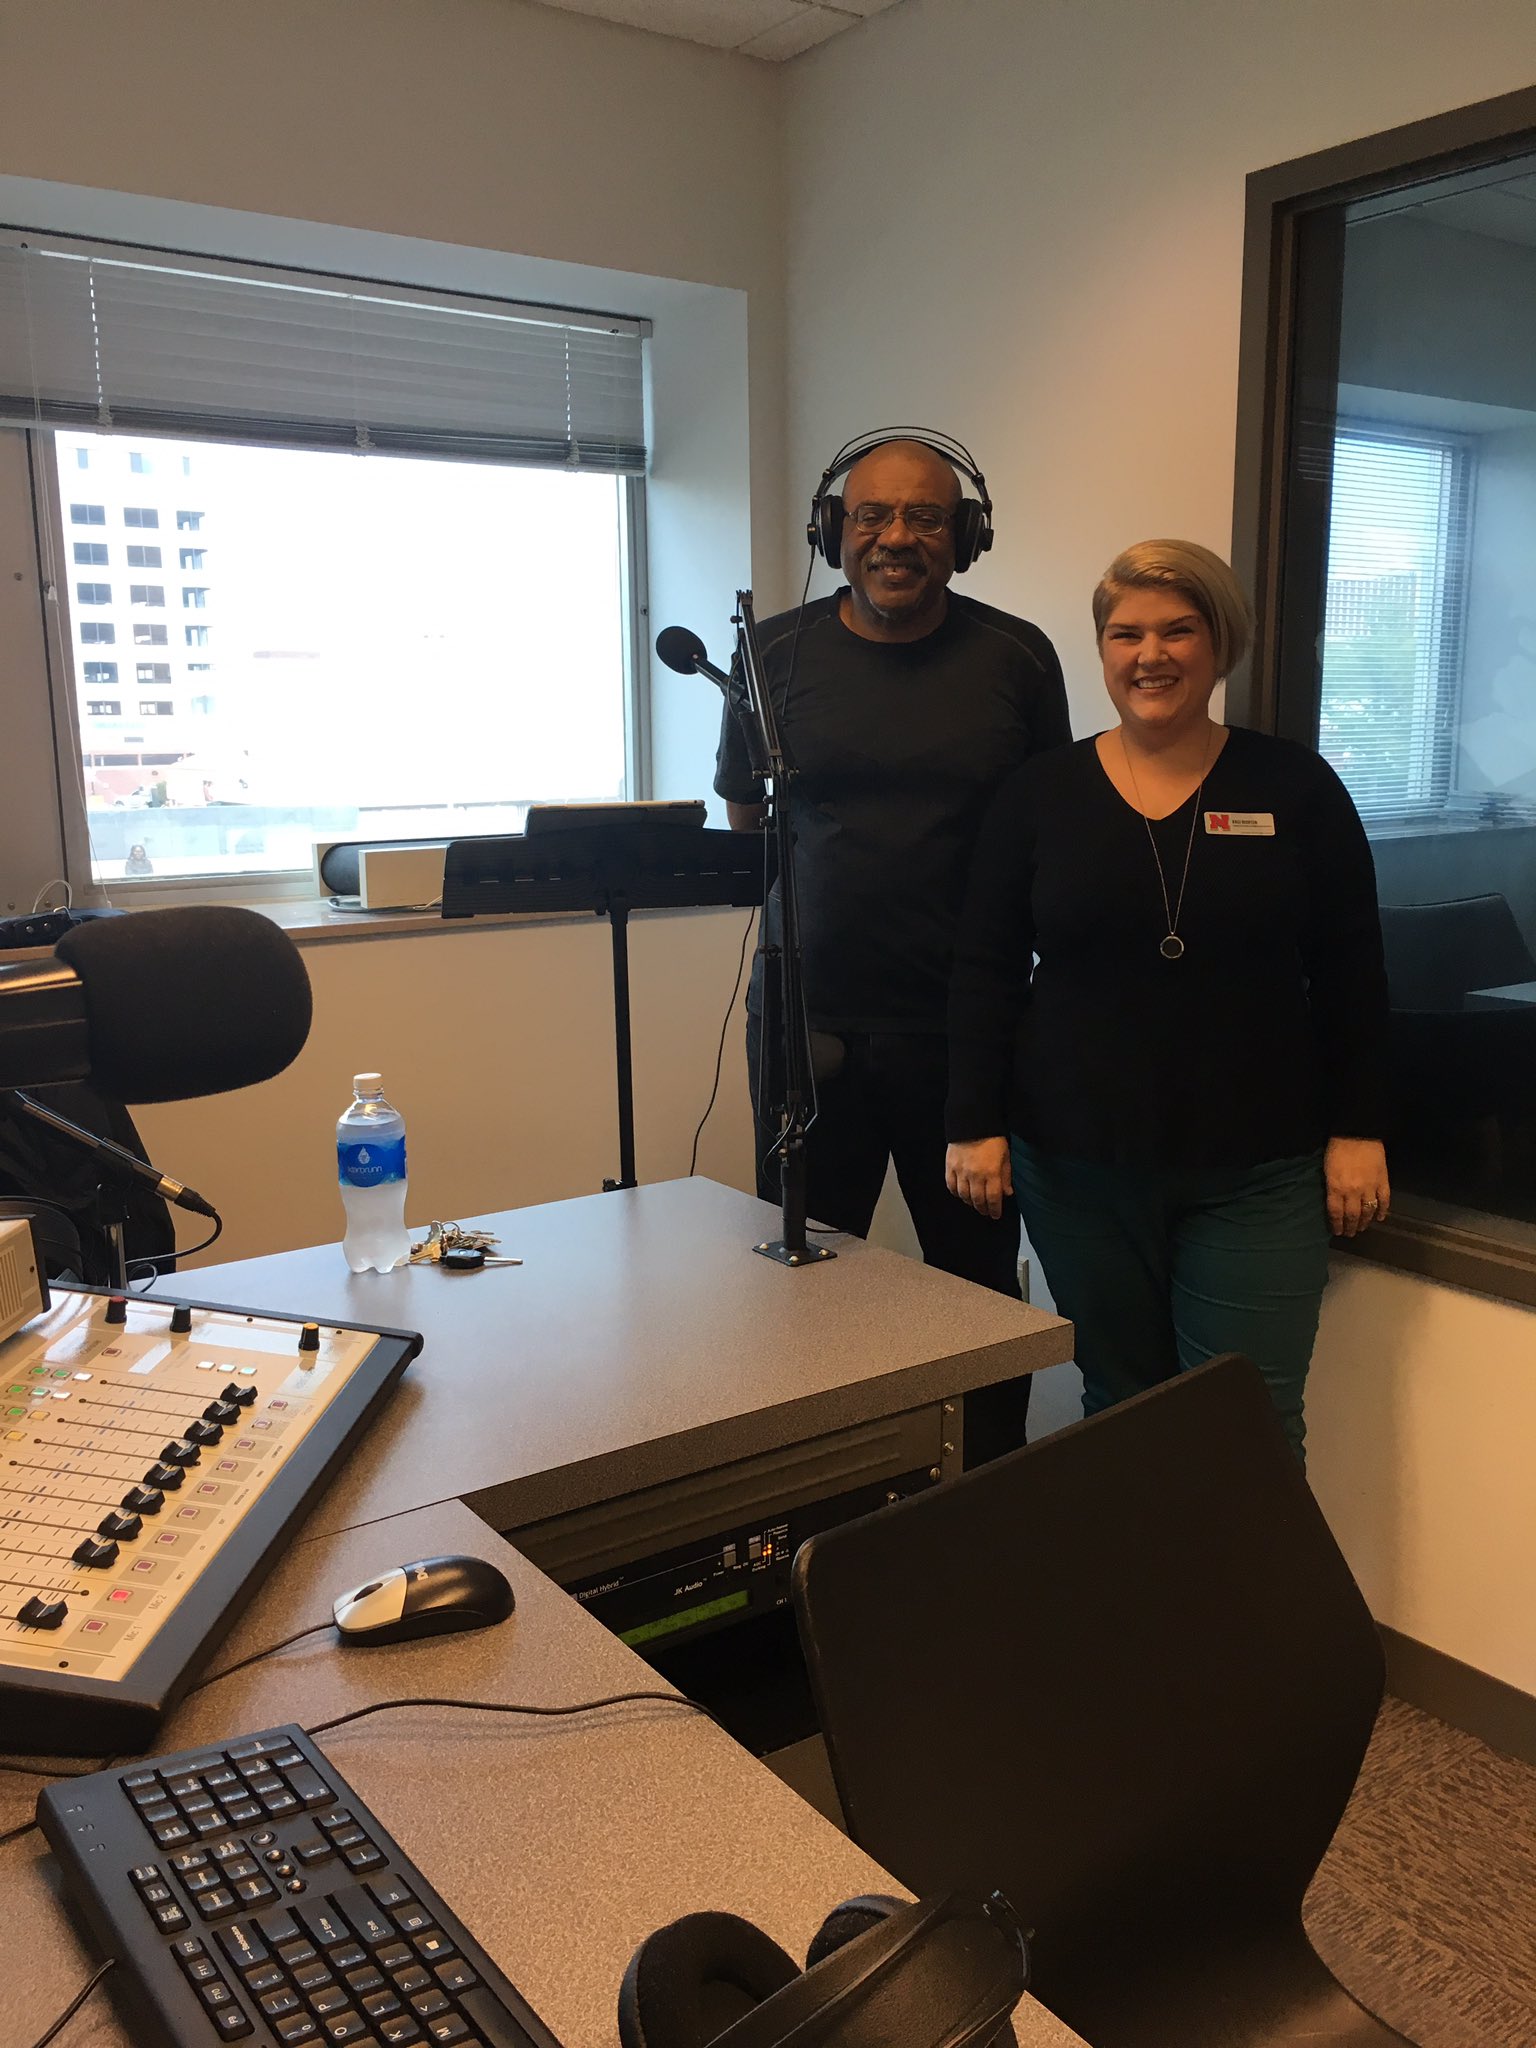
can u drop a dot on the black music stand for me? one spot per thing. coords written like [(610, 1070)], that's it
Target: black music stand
[(618, 858)]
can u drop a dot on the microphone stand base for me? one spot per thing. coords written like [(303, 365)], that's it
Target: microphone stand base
[(789, 1255)]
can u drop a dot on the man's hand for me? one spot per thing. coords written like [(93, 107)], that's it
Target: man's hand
[(745, 817), (1359, 1193), (980, 1172)]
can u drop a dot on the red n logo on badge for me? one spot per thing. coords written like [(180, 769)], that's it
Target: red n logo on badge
[(1218, 821)]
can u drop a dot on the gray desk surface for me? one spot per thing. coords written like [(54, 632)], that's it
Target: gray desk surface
[(560, 1844), (641, 1340)]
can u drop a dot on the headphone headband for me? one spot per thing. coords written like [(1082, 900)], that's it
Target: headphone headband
[(973, 516)]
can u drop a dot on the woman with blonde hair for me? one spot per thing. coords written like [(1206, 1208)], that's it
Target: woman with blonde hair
[(1184, 1091)]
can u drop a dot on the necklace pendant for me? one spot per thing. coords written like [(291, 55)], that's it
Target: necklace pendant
[(1172, 947)]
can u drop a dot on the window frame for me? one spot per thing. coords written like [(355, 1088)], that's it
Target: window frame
[(1288, 346), (49, 510)]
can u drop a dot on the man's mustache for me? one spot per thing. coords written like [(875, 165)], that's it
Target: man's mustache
[(895, 558)]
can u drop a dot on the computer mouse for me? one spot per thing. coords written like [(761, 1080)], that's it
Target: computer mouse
[(435, 1596)]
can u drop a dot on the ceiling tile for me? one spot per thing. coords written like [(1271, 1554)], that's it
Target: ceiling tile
[(720, 24), (811, 25)]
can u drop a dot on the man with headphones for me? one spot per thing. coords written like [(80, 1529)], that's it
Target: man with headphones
[(901, 706)]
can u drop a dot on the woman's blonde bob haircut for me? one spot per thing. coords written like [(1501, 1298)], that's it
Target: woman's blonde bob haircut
[(1192, 571)]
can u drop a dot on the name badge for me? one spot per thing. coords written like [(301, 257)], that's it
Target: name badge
[(1242, 824)]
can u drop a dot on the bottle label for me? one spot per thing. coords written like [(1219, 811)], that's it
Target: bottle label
[(372, 1163)]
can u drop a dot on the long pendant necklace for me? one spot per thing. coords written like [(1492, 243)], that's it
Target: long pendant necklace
[(1172, 947)]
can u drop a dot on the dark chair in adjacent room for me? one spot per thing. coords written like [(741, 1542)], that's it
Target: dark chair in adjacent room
[(1125, 1676), (1437, 953)]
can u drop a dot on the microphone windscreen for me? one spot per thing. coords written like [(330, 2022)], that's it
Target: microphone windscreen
[(189, 1002), (680, 649)]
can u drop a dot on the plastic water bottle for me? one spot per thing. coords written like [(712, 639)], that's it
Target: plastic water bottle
[(370, 1164)]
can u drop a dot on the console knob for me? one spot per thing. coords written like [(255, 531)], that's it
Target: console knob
[(181, 1319), (93, 1553), (309, 1337), (116, 1312), (115, 1524)]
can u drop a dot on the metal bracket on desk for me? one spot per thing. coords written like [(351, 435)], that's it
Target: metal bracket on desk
[(952, 1454)]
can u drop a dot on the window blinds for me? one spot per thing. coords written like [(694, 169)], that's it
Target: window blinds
[(137, 341), (1392, 634)]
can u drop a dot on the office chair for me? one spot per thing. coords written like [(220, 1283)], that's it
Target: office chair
[(1437, 952), (1125, 1675)]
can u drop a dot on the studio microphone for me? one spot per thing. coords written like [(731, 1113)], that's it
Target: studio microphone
[(157, 1006), (687, 653)]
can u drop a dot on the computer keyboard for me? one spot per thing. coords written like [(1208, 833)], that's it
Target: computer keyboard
[(249, 1895)]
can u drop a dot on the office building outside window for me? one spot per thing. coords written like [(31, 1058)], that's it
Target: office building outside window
[(143, 557)]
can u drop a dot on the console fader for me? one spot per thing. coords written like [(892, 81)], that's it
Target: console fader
[(153, 1457)]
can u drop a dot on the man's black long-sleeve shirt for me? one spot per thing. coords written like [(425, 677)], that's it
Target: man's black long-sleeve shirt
[(1266, 1038), (897, 747)]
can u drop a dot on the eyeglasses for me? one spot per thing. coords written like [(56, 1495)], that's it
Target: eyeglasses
[(927, 520)]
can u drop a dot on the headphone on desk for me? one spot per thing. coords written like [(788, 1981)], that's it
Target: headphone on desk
[(944, 1973), (973, 516)]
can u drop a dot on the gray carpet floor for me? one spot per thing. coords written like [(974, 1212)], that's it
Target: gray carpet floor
[(1425, 1906)]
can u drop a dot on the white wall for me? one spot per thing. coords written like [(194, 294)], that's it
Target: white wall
[(1021, 221), (1498, 705)]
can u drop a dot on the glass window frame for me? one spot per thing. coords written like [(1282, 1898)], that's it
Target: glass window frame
[(1288, 354), (51, 510)]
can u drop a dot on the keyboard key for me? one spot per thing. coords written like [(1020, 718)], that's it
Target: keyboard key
[(263, 1782), (344, 2027), (243, 1945), (361, 1982), (349, 1955), (455, 1975), (264, 1977), (170, 1834), (312, 1977), (433, 1946), (216, 1904), (185, 1951), (257, 1745), (307, 1785), (411, 1979), (371, 1924), (380, 2004), (412, 1919), (277, 1927), (314, 1849), (199, 1881), (365, 1857), (136, 1781), (216, 1993), (184, 1784), (450, 2028), (157, 1811), (428, 2004), (170, 1919), (323, 1924), (255, 1891), (278, 2004), (330, 1998), (235, 1867), (390, 1892), (296, 2029), (201, 1970), (189, 1860), (231, 2023), (243, 1811), (347, 1836), (397, 2032), (338, 1817), (227, 1847), (279, 1804), (155, 1894), (395, 1956)]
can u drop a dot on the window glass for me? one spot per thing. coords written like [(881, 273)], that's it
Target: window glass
[(140, 557), (87, 515), (399, 646), (1413, 442), (91, 553)]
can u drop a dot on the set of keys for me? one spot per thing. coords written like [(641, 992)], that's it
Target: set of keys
[(458, 1250)]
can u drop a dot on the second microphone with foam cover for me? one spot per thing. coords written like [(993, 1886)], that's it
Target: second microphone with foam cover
[(188, 1002)]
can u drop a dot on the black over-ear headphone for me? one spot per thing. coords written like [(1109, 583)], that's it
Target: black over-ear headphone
[(940, 1974), (973, 516)]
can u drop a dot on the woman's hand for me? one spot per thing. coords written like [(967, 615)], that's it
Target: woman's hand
[(981, 1173), (1355, 1174)]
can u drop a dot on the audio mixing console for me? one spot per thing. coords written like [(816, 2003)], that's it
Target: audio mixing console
[(154, 1457)]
